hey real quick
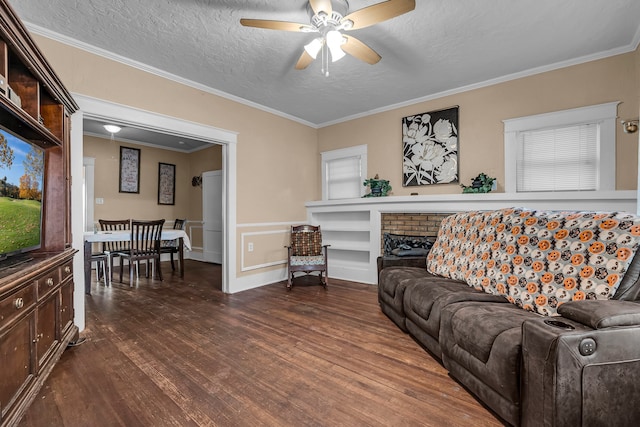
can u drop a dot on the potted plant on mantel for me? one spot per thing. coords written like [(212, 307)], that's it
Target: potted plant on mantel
[(377, 187), (480, 184)]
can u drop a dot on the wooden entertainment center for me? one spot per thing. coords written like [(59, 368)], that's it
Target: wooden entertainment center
[(36, 289)]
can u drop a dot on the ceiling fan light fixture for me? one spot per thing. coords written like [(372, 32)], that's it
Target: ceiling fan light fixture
[(314, 47), (112, 128), (334, 41)]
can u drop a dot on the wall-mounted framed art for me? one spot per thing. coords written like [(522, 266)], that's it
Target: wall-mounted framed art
[(430, 148), (129, 181), (166, 184)]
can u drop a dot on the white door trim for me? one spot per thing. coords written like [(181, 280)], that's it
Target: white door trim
[(101, 109)]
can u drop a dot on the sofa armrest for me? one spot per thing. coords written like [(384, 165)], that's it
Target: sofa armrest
[(577, 375), (602, 314)]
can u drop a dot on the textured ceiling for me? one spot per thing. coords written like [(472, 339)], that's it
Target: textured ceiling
[(442, 45)]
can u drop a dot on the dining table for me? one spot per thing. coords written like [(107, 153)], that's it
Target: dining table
[(91, 237)]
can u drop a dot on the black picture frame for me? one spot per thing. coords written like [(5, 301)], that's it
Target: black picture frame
[(129, 180), (430, 148), (166, 184)]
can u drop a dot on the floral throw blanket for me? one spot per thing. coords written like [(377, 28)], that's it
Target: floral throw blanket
[(537, 259)]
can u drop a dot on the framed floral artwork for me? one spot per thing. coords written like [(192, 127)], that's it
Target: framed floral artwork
[(430, 148), (129, 181), (166, 184)]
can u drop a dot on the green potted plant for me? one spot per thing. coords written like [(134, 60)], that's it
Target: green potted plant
[(480, 184), (377, 187)]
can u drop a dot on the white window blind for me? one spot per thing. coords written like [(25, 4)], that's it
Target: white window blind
[(561, 159), (344, 179), (567, 150), (343, 172)]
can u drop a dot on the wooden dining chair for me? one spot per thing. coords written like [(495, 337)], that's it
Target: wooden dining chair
[(113, 249), (171, 246), (102, 266), (144, 246)]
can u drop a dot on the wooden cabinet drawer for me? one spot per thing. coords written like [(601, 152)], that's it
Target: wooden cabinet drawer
[(48, 283), (66, 270), (13, 305)]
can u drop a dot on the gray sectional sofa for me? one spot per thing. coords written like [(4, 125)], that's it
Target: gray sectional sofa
[(534, 312)]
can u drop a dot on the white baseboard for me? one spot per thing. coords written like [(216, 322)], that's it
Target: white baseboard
[(257, 280)]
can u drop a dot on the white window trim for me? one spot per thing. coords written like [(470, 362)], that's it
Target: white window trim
[(603, 114), (342, 153)]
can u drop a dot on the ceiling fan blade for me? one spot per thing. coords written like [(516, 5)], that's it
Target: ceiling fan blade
[(321, 6), (379, 12), (357, 49), (304, 61), (277, 25)]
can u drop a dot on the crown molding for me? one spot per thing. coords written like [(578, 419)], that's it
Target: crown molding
[(44, 32), (526, 73), (35, 29)]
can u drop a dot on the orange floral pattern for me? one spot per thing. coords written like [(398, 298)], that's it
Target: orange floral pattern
[(537, 259)]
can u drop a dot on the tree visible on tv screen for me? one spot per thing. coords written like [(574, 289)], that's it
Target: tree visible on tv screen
[(20, 202)]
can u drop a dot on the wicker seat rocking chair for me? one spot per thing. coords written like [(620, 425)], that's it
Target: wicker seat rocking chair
[(306, 253)]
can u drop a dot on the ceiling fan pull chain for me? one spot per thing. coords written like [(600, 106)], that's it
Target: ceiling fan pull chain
[(325, 58)]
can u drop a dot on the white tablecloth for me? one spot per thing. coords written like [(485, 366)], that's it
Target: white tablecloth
[(124, 235)]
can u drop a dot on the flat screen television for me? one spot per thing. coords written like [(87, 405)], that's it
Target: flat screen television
[(21, 193)]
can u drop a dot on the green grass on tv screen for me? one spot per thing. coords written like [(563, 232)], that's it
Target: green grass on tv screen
[(19, 224)]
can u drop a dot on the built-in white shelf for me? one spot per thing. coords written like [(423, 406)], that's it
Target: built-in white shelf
[(352, 226)]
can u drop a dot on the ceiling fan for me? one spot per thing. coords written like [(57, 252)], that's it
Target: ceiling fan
[(329, 18)]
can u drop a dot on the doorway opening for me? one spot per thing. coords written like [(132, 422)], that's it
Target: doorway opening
[(129, 116)]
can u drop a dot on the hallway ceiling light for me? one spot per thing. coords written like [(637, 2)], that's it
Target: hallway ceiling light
[(112, 128)]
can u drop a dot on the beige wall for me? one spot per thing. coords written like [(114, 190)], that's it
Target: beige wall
[(269, 146), (481, 128), (133, 205), (266, 143)]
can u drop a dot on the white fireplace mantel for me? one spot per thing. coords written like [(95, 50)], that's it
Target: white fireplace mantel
[(352, 226)]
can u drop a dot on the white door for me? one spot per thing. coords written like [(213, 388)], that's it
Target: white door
[(212, 216)]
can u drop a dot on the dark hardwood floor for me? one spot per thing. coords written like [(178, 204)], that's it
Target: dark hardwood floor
[(182, 353)]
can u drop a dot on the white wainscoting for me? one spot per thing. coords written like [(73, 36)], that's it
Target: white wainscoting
[(246, 235), (193, 229)]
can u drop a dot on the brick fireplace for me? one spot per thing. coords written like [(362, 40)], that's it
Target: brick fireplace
[(411, 224)]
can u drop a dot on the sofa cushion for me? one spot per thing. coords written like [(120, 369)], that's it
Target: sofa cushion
[(425, 300), (546, 258), (391, 278), (392, 284), (484, 340), (476, 328)]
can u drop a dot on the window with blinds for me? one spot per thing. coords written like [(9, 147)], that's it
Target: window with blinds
[(343, 172), (562, 159), (344, 178), (567, 150)]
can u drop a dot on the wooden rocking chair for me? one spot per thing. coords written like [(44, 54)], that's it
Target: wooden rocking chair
[(306, 253)]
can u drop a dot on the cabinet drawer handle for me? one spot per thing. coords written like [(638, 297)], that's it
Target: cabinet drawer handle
[(67, 269), (49, 281), (18, 303)]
